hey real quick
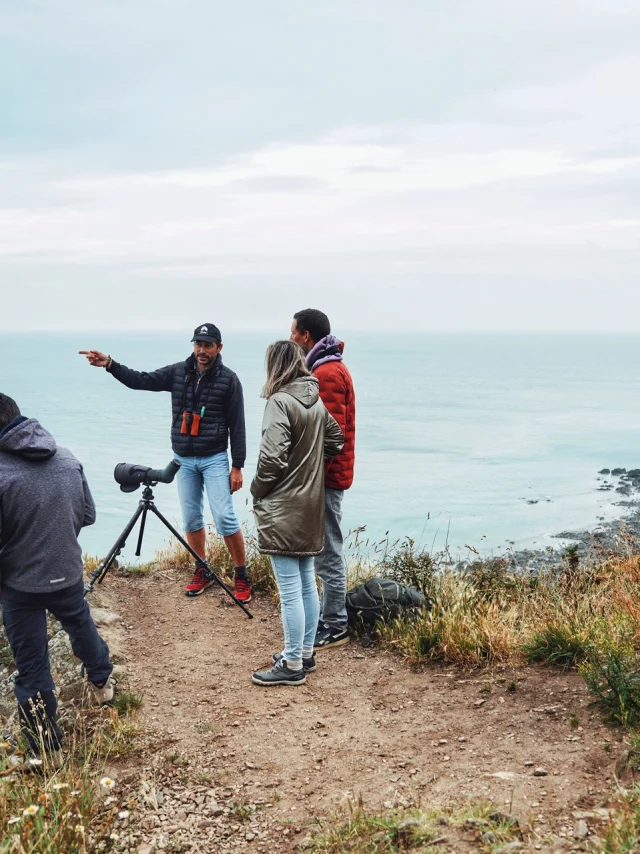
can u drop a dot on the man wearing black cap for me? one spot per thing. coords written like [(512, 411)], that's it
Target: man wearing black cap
[(208, 416)]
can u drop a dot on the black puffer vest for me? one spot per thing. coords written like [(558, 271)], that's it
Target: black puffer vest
[(216, 396)]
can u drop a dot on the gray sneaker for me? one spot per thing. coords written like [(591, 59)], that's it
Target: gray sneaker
[(279, 675), (308, 664)]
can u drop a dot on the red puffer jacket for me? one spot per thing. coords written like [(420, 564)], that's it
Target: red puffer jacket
[(336, 391)]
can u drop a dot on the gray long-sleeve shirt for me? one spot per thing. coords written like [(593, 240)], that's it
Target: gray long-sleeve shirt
[(44, 503)]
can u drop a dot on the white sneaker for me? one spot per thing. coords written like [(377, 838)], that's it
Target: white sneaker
[(104, 694)]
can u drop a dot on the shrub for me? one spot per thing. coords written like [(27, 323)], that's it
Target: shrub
[(409, 566), (614, 678), (564, 643)]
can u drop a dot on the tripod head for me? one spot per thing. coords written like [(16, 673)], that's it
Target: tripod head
[(130, 476)]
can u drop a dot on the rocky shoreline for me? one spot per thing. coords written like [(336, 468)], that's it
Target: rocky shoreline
[(605, 538)]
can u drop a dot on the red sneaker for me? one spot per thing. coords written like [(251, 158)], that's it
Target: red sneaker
[(242, 590), (198, 583)]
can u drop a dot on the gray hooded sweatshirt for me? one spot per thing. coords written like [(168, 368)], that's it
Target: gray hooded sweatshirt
[(44, 502)]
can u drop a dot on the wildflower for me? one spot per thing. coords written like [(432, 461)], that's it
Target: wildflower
[(75, 792), (110, 800), (14, 820), (79, 828), (35, 762), (58, 786), (107, 783), (5, 744), (123, 814), (32, 810), (114, 836)]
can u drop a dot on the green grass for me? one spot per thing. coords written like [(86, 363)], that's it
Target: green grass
[(361, 832)]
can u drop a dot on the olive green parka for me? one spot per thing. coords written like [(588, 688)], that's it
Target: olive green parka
[(298, 434)]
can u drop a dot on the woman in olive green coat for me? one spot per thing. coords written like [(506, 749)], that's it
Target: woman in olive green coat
[(298, 434)]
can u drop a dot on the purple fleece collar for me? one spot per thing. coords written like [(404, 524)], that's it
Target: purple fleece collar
[(328, 349)]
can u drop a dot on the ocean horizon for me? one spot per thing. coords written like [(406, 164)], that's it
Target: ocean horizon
[(488, 441)]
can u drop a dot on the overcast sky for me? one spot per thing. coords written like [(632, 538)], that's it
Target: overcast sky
[(423, 164)]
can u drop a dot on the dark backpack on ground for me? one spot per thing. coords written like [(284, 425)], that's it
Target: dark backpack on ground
[(382, 600)]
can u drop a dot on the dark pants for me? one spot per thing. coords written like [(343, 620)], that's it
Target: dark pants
[(25, 622)]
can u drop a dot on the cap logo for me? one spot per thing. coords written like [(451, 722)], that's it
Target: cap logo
[(203, 330)]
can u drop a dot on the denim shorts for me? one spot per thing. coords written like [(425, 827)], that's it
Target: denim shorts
[(211, 473)]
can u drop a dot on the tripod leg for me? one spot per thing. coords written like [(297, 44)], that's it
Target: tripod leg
[(98, 574), (200, 561), (141, 534)]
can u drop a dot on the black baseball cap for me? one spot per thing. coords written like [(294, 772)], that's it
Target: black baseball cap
[(207, 332)]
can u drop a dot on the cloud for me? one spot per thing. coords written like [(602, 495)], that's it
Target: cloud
[(149, 147)]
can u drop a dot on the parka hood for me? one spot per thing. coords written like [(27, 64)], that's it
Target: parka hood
[(306, 390)]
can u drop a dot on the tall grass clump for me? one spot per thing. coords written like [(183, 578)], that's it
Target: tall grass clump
[(485, 612), (67, 804)]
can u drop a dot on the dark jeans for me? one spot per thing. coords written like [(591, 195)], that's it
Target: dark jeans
[(25, 622)]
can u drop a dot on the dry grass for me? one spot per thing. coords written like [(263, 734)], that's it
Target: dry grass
[(489, 615), (360, 832), (76, 808), (176, 557)]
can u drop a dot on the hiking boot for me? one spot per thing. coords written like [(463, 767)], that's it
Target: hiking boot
[(105, 692), (279, 675), (242, 589), (308, 664), (198, 583), (327, 637)]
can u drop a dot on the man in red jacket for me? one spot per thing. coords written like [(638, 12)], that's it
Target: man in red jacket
[(312, 331)]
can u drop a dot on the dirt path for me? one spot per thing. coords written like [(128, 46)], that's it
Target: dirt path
[(365, 725)]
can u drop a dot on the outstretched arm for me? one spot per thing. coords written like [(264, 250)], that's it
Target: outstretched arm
[(160, 380)]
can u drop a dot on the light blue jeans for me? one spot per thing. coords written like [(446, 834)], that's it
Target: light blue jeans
[(211, 473), (299, 604)]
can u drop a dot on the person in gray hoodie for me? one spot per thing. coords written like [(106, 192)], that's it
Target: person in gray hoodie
[(44, 503)]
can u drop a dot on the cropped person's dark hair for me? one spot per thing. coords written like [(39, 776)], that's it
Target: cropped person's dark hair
[(315, 322), (8, 410)]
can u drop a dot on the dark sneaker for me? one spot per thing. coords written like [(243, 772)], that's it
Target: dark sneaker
[(279, 675), (198, 583), (308, 664), (327, 637), (242, 590)]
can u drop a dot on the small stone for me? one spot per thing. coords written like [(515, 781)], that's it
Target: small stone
[(580, 830), (489, 837), (174, 702), (479, 703), (529, 764), (540, 772)]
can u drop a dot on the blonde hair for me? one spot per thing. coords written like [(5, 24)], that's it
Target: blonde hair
[(285, 362)]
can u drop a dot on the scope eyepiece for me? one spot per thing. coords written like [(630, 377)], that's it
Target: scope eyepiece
[(130, 476)]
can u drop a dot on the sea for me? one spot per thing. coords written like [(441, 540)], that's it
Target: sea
[(465, 442)]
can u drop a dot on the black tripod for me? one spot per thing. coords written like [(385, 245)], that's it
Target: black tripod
[(147, 503)]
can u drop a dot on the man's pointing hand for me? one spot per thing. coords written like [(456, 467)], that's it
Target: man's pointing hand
[(96, 358)]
